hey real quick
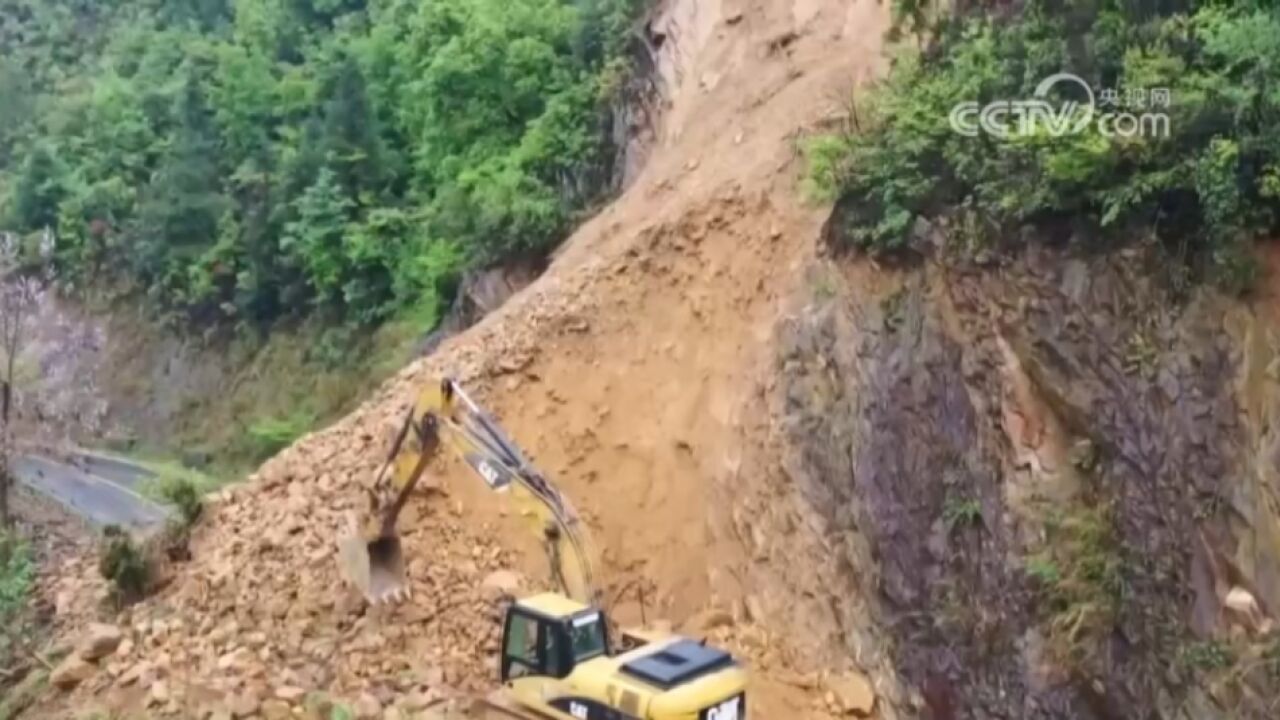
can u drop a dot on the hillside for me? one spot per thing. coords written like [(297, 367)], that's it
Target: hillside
[(239, 194), (980, 436), (625, 371)]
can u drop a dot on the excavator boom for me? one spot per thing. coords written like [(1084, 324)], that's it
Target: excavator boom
[(557, 659), (370, 553)]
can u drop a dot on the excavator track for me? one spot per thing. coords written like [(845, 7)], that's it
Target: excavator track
[(477, 708)]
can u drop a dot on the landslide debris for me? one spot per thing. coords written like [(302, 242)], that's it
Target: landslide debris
[(264, 618), (623, 370)]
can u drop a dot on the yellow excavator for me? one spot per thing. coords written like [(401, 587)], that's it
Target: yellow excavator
[(560, 656)]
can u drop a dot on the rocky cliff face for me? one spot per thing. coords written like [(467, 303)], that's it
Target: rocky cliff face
[(1051, 486)]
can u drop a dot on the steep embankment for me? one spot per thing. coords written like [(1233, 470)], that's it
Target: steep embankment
[(628, 371), (106, 374), (1047, 488)]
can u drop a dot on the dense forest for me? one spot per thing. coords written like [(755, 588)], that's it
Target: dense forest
[(1198, 185), (244, 161)]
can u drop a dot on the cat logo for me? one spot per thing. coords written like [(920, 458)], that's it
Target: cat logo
[(495, 477), (488, 473), (727, 710), (578, 710)]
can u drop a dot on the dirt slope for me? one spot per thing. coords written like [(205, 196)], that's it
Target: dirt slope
[(625, 371)]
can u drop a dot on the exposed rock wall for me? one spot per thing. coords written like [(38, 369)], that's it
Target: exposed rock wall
[(1053, 486)]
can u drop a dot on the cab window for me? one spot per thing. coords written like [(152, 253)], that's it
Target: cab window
[(554, 652), (587, 637), (521, 656)]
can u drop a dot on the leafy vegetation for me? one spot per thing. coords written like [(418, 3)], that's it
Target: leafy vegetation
[(269, 436), (17, 698), (168, 474), (1206, 655), (180, 491), (17, 573), (263, 159), (124, 564), (1203, 186), (1080, 576), (961, 511), (20, 626)]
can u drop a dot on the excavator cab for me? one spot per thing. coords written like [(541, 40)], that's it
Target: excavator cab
[(557, 660), (549, 635), (558, 663)]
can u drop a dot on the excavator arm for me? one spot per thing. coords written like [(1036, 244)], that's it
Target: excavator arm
[(371, 555)]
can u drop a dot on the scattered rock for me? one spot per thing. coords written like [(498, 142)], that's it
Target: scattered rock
[(133, 674), (64, 603), (502, 582), (1245, 606), (276, 710), (368, 707), (852, 694), (71, 672), (101, 641), (237, 658), (290, 693), (415, 701), (244, 705), (159, 693)]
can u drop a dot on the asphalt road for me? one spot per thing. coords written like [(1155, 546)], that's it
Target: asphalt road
[(116, 470), (104, 496)]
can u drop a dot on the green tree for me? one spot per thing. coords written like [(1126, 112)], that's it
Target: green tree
[(183, 205), (17, 109), (203, 14), (1205, 184), (352, 147), (39, 190), (254, 158), (314, 241)]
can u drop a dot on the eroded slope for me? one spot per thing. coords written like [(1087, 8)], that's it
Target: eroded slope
[(626, 371)]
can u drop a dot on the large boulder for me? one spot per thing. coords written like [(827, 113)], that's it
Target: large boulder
[(73, 671), (503, 583), (100, 641)]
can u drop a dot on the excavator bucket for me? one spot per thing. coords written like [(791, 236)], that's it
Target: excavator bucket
[(370, 555), (375, 567)]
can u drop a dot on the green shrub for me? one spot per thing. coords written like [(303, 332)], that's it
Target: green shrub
[(180, 491), (1207, 187), (175, 484), (124, 564), (19, 697), (961, 511), (1044, 571), (1079, 574), (17, 573), (1206, 655), (269, 436)]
